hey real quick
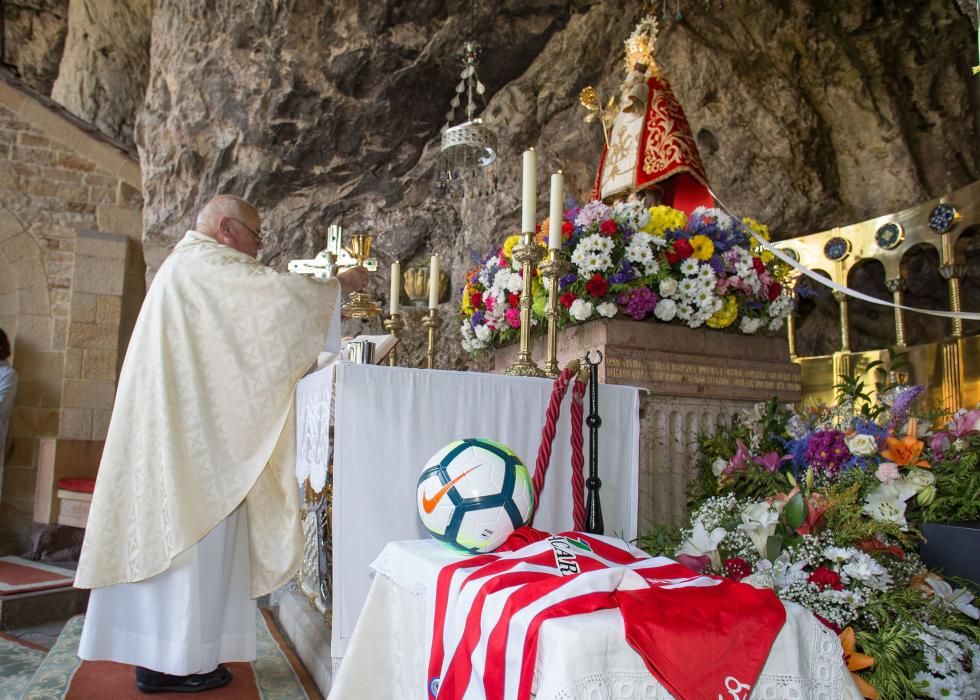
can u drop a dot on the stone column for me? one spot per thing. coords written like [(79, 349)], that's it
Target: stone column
[(897, 288)]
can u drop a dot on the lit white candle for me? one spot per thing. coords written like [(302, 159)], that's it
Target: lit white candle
[(555, 218), (396, 284), (529, 199), (434, 282)]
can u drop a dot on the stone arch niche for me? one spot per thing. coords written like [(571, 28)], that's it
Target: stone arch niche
[(818, 324), (25, 315), (967, 253), (870, 324), (925, 289)]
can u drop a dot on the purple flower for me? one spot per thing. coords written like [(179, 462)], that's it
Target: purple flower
[(625, 273), (592, 213), (827, 451), (717, 264), (740, 460), (567, 280), (477, 318), (637, 303), (571, 214), (902, 403)]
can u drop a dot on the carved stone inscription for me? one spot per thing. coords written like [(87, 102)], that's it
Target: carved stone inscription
[(681, 375)]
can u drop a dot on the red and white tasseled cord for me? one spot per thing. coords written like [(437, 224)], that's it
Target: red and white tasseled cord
[(548, 432), (578, 456)]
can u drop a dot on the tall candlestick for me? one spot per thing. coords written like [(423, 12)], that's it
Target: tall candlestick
[(555, 219), (434, 282), (529, 200), (394, 305)]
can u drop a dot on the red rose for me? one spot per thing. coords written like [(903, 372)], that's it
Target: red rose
[(759, 266), (476, 300), (597, 286), (822, 577), (683, 248), (737, 568), (607, 227), (514, 299), (567, 228), (567, 299), (673, 258), (775, 289)]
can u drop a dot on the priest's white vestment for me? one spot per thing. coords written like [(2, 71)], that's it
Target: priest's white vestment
[(201, 440)]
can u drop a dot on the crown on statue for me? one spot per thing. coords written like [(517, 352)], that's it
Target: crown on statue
[(641, 44)]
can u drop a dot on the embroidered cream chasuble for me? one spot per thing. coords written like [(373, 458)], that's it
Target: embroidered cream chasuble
[(204, 418)]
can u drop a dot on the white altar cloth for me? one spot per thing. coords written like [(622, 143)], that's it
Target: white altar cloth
[(584, 657), (390, 420)]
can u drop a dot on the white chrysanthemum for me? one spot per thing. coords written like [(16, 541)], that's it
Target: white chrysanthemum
[(839, 555), (665, 310), (581, 310), (607, 309), (707, 274), (482, 333), (749, 325), (687, 288), (689, 267)]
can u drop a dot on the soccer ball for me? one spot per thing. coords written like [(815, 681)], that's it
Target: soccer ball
[(473, 493)]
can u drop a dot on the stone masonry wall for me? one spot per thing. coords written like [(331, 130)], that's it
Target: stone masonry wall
[(48, 193)]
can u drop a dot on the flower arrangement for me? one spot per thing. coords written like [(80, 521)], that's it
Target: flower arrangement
[(824, 505), (641, 262)]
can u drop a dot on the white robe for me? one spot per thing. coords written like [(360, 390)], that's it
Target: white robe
[(188, 619)]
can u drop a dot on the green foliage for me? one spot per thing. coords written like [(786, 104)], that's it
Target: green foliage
[(844, 514), (853, 390), (957, 486), (893, 648), (662, 541)]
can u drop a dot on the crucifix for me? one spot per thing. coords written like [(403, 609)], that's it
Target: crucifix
[(335, 257)]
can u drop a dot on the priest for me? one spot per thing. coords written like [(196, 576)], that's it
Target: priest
[(195, 512)]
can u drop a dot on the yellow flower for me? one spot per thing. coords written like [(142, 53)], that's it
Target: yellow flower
[(663, 218), (542, 235), (762, 231), (704, 248), (466, 305), (726, 315), (509, 246)]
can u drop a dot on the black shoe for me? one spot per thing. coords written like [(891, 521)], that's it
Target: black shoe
[(149, 681)]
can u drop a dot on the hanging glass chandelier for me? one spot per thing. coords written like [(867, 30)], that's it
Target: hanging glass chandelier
[(469, 148)]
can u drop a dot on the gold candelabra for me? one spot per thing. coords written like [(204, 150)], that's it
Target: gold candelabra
[(431, 322), (552, 270), (394, 324), (360, 305), (529, 254)]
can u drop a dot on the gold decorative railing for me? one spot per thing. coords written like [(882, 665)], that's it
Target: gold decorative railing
[(949, 368)]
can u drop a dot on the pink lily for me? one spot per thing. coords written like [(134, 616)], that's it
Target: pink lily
[(966, 424), (770, 461), (740, 460)]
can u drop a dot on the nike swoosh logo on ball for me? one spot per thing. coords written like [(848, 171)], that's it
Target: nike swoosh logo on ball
[(429, 504)]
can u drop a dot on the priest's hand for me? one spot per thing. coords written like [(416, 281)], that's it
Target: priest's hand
[(352, 280)]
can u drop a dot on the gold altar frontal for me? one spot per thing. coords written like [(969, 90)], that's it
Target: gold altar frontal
[(694, 378)]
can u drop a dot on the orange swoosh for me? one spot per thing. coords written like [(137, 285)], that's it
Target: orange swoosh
[(429, 504)]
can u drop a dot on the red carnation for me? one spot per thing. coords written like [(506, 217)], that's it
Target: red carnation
[(597, 286), (567, 228), (476, 300), (567, 299), (822, 577), (673, 258), (514, 299), (607, 227), (683, 249), (759, 266), (775, 289), (737, 568)]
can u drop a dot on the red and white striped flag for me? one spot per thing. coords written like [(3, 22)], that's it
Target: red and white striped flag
[(489, 610)]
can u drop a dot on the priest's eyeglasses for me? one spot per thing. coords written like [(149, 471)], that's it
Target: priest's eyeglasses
[(258, 236)]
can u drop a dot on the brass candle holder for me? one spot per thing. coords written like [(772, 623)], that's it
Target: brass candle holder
[(431, 322), (529, 254), (553, 269), (360, 305), (394, 324)]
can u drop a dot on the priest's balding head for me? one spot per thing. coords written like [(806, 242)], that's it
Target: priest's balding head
[(232, 221)]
